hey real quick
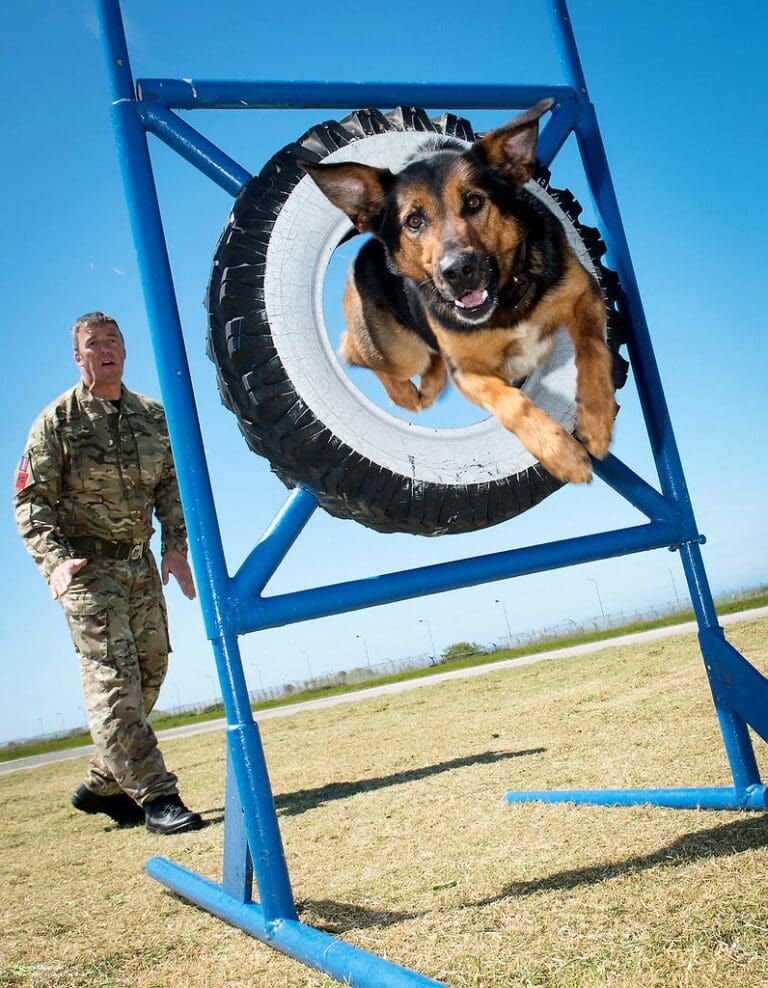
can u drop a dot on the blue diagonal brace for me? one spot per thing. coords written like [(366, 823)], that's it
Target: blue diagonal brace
[(637, 491), (556, 131), (191, 145), (735, 682)]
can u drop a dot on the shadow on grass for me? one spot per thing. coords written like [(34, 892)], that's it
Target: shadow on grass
[(341, 917), (717, 842), (291, 804)]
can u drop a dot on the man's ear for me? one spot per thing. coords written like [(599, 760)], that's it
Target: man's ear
[(358, 190), (511, 150)]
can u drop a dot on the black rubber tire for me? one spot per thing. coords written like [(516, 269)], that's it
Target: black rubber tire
[(276, 421)]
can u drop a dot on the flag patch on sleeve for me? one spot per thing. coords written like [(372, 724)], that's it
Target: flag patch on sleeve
[(22, 474)]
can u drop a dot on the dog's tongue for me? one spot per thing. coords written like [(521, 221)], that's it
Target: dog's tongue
[(473, 299)]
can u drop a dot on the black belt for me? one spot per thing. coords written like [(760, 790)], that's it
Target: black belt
[(103, 547)]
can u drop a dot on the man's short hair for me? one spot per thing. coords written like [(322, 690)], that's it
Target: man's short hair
[(93, 319)]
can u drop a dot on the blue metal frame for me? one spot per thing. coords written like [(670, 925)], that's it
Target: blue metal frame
[(234, 605)]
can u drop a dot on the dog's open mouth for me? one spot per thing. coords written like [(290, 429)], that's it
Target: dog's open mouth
[(476, 305), (473, 300)]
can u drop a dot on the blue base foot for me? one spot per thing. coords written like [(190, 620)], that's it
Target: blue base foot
[(340, 960), (751, 798)]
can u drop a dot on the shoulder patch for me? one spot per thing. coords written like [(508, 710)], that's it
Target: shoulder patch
[(22, 474)]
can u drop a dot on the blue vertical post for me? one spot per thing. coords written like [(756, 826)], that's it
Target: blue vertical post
[(249, 768), (738, 744), (237, 866), (164, 323), (640, 348), (194, 481), (736, 738)]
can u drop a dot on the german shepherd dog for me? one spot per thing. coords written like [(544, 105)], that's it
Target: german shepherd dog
[(471, 275)]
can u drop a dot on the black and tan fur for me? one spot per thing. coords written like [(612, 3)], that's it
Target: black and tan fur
[(456, 224)]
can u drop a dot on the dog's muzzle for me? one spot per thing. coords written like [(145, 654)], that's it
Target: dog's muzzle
[(465, 283), (461, 273)]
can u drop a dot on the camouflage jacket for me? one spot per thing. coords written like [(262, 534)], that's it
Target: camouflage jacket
[(90, 470)]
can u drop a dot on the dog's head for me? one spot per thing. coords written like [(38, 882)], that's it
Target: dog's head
[(448, 218)]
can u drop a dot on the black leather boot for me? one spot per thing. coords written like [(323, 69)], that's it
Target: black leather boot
[(120, 808), (168, 815)]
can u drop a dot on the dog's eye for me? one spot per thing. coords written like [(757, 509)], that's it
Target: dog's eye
[(414, 221), (473, 202)]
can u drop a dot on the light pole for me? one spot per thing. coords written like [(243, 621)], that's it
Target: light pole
[(674, 586), (506, 616), (365, 646), (258, 675), (431, 640), (597, 591), (61, 718), (309, 667), (215, 691)]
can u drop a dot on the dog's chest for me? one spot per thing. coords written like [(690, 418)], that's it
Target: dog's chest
[(527, 346), (509, 353)]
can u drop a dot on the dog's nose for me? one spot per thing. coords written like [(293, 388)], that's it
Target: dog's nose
[(460, 271)]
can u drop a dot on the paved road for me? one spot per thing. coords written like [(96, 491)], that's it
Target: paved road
[(34, 761)]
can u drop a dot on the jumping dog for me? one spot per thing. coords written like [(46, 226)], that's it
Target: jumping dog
[(469, 274)]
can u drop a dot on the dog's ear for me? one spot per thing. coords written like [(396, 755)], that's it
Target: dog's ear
[(511, 150), (358, 190)]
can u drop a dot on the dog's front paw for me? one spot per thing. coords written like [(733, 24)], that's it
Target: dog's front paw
[(567, 460), (429, 391), (594, 424), (406, 395), (432, 384)]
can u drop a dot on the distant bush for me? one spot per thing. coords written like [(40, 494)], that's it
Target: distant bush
[(460, 650)]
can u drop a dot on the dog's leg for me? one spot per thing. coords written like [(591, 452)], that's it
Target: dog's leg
[(595, 405), (557, 452), (433, 380), (403, 392), (376, 340)]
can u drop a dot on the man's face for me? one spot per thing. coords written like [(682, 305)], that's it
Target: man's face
[(100, 355)]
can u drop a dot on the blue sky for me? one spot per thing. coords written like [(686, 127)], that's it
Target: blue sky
[(680, 91)]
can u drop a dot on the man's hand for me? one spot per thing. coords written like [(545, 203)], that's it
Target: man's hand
[(62, 576), (176, 562)]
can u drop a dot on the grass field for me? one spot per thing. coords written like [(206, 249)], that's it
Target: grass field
[(397, 838)]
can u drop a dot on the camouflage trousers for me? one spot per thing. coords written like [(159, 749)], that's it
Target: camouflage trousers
[(117, 618)]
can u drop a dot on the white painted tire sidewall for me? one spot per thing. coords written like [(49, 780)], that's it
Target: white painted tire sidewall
[(306, 232)]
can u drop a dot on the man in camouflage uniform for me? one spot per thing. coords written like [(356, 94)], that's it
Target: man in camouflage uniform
[(96, 466)]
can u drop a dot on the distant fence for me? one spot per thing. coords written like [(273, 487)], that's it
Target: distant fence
[(563, 629)]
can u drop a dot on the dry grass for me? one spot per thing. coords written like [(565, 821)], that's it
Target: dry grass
[(397, 838)]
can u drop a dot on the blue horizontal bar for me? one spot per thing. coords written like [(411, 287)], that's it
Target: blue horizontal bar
[(189, 94), (193, 147), (302, 605), (722, 798), (320, 950)]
